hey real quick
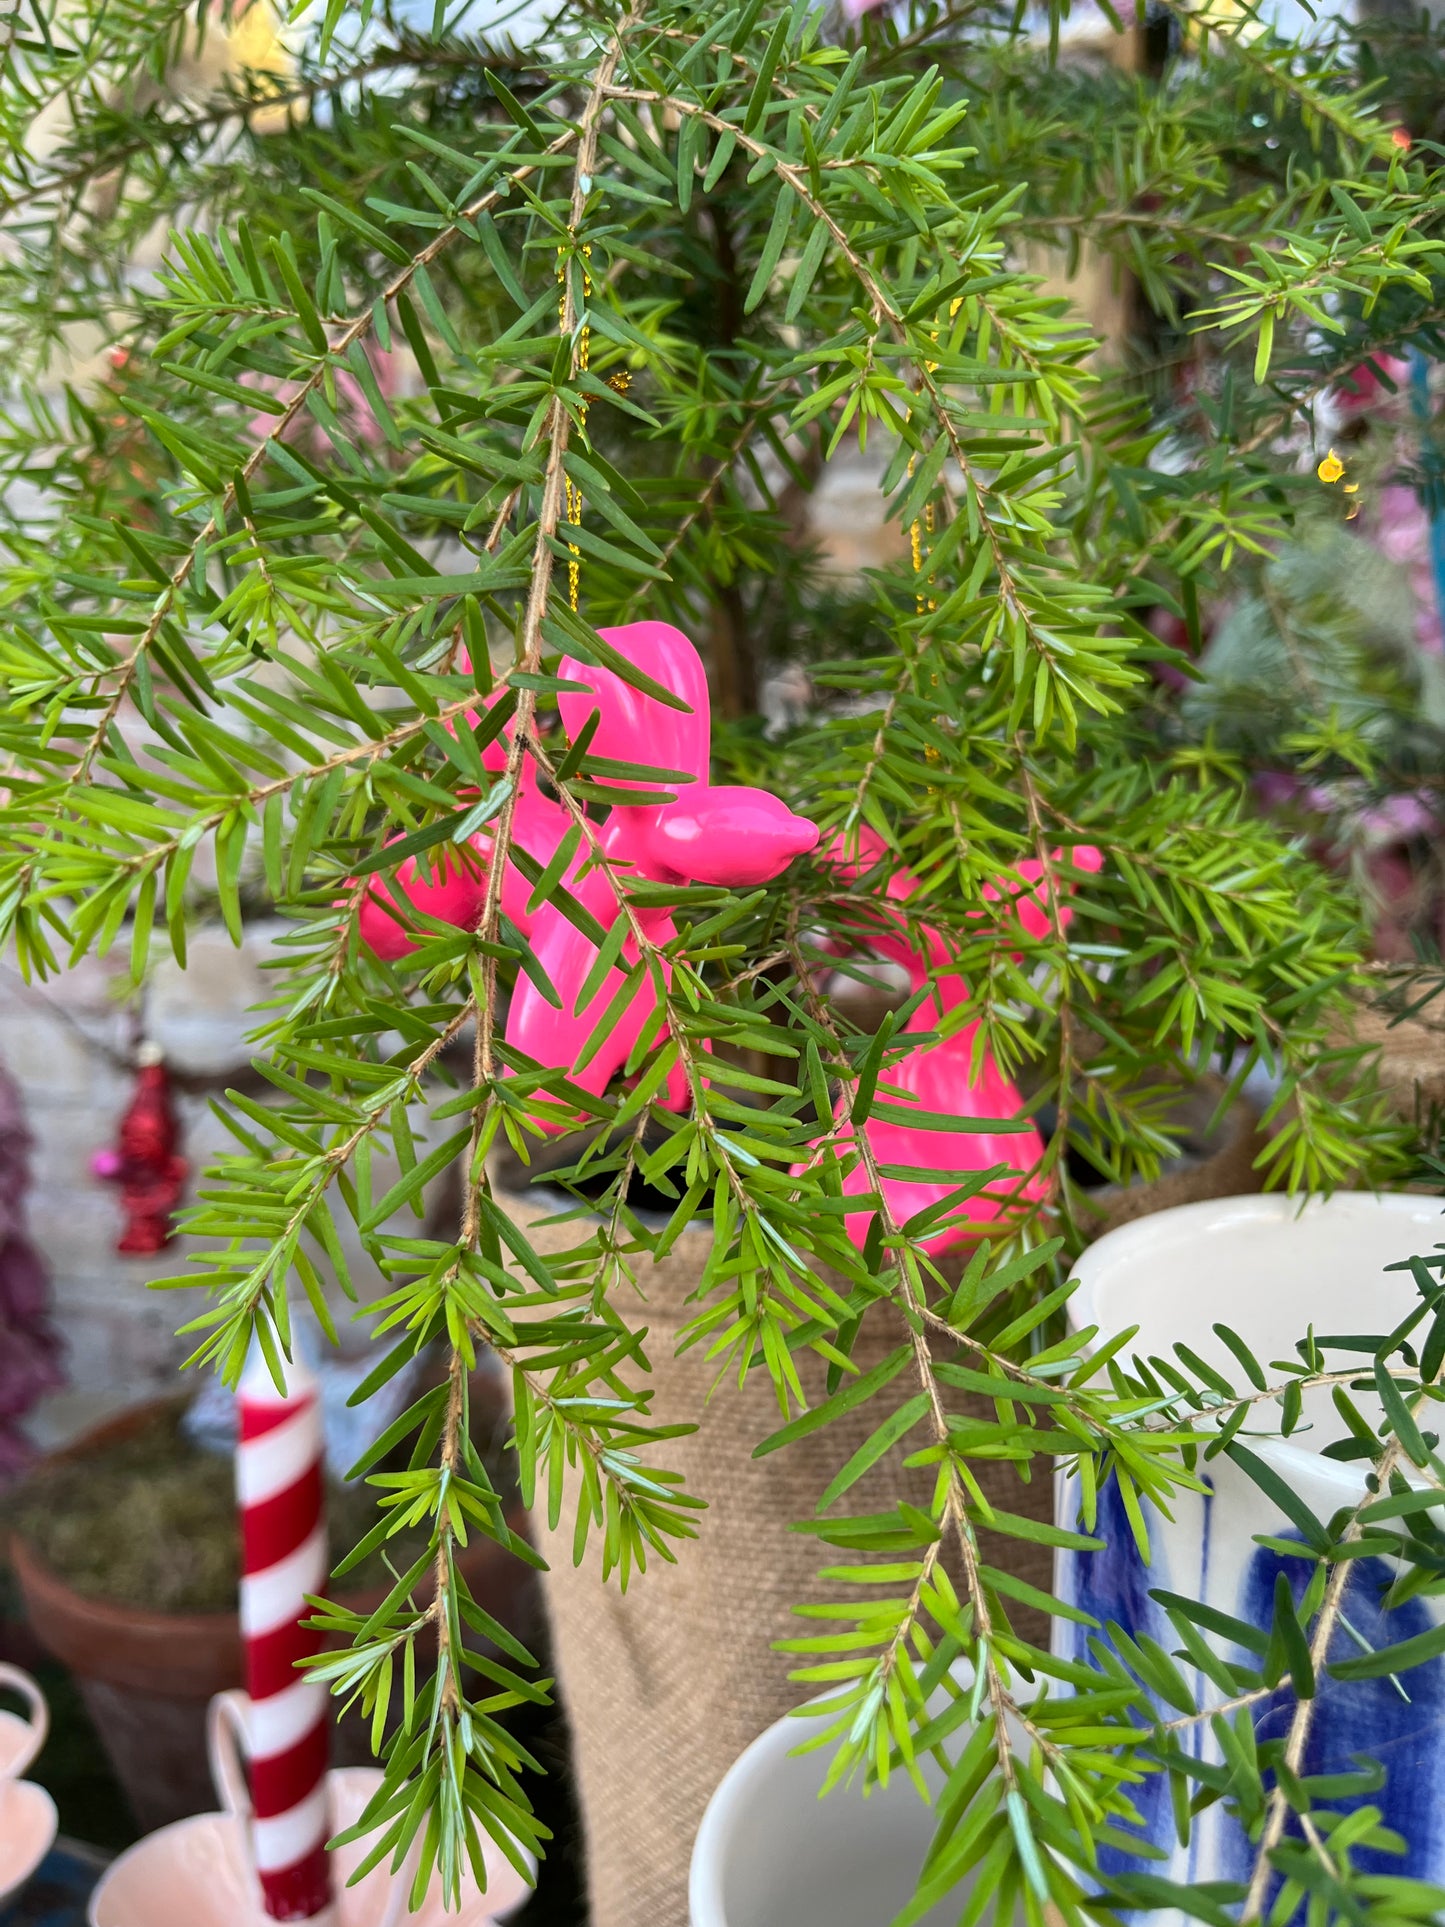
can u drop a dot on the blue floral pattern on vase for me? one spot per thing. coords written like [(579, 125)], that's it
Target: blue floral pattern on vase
[(1113, 1584), (1354, 1721), (1360, 1719)]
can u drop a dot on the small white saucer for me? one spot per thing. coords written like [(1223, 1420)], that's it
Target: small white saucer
[(28, 1822)]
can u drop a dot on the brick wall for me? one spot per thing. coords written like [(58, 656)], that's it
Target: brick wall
[(67, 1042)]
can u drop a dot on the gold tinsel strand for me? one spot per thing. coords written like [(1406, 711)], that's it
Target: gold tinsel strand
[(583, 357), (915, 543), (924, 603)]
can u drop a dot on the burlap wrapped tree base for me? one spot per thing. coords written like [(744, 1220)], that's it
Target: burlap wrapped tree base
[(1411, 1060), (1217, 1162), (665, 1685)]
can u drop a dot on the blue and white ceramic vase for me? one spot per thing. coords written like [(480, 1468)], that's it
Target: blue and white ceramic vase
[(1268, 1268)]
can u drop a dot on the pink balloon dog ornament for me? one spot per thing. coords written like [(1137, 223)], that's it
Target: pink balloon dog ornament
[(732, 837), (451, 887)]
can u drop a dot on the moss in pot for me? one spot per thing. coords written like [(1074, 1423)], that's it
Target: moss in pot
[(152, 1523), (126, 1552)]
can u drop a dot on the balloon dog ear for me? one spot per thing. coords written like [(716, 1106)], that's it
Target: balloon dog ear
[(1029, 898), (634, 727)]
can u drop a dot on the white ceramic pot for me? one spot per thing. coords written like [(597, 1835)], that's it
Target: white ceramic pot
[(27, 1813), (771, 1853), (1268, 1268), (199, 1872)]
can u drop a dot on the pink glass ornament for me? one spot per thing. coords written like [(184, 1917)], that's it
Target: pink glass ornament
[(146, 1163)]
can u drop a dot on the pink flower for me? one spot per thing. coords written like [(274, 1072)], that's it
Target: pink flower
[(1400, 530), (1398, 819), (1362, 387)]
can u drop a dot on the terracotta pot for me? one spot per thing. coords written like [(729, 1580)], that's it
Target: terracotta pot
[(196, 1654), (146, 1677)]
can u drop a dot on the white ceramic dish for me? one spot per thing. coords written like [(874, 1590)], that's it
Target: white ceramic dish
[(1266, 1267), (770, 1853), (21, 1739), (28, 1823), (27, 1813), (197, 1874)]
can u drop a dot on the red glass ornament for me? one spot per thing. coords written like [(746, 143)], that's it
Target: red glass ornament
[(146, 1163)]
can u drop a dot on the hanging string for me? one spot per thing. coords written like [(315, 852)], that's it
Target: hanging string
[(582, 357)]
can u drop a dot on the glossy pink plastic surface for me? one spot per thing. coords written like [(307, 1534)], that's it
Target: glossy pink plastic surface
[(28, 1823), (727, 835), (451, 886), (452, 890), (197, 1873), (737, 838), (27, 1812), (633, 726), (954, 1076)]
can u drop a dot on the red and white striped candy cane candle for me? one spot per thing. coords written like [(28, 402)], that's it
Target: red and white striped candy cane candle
[(283, 1532)]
